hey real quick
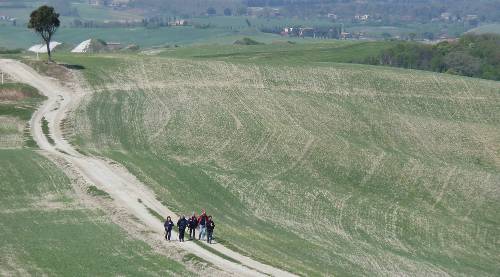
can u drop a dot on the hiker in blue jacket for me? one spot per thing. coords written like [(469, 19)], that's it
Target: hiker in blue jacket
[(168, 228), (182, 223)]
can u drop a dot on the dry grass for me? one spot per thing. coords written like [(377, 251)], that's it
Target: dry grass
[(11, 95), (11, 132)]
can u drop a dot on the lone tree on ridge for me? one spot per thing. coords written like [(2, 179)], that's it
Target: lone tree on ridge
[(45, 22)]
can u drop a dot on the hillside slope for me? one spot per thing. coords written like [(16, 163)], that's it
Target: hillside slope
[(47, 226), (318, 169), (127, 201)]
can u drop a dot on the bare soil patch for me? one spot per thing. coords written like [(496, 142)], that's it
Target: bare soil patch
[(11, 95), (50, 69)]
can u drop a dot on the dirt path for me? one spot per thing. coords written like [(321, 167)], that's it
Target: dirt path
[(122, 186)]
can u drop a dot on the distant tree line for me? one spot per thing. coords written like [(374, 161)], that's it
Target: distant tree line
[(63, 7), (320, 32), (78, 23), (147, 22), (190, 7), (472, 55)]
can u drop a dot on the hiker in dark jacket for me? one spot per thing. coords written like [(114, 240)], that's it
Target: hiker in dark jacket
[(168, 228), (210, 229), (202, 222), (192, 224), (182, 224)]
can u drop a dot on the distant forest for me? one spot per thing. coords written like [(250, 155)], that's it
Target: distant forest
[(472, 55)]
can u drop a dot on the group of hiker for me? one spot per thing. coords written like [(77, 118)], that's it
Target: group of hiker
[(204, 223)]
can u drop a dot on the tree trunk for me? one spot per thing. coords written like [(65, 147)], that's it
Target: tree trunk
[(48, 50)]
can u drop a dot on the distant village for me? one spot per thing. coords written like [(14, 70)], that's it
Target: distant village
[(8, 19), (109, 3), (336, 31), (473, 19)]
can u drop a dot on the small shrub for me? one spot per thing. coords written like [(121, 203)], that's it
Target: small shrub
[(46, 131), (94, 191), (247, 41)]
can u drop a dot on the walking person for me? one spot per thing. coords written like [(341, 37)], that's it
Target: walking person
[(202, 222), (210, 229), (182, 224), (168, 228), (192, 224)]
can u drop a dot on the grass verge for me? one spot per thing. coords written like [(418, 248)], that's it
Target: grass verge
[(154, 213), (213, 251), (195, 259), (46, 131)]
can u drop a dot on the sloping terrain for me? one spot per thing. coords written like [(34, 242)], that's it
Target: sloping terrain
[(127, 201), (318, 169), (46, 227), (45, 230)]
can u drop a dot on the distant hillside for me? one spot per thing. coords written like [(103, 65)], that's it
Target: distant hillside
[(484, 29)]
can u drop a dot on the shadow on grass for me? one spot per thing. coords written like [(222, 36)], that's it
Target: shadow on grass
[(73, 66)]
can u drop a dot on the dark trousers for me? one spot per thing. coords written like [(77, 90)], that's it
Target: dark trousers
[(192, 233), (210, 235), (181, 234), (168, 234)]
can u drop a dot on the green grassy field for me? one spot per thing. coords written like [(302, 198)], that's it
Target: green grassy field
[(44, 228), (316, 167), (238, 22), (283, 52), (21, 37)]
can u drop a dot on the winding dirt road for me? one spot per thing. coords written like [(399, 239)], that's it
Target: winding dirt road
[(121, 185)]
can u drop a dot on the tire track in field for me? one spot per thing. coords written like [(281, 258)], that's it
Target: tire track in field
[(120, 184), (442, 191)]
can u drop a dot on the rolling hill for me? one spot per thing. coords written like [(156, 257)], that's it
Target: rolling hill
[(487, 28), (317, 168)]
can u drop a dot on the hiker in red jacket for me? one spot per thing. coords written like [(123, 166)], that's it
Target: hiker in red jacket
[(202, 222)]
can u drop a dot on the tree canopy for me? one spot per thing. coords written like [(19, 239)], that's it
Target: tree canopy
[(45, 22), (472, 55)]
